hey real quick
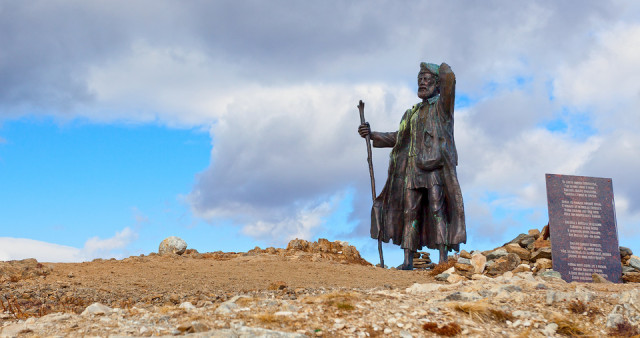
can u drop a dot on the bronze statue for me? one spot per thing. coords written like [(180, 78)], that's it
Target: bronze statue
[(421, 202)]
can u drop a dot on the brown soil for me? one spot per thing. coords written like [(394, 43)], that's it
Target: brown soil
[(158, 280)]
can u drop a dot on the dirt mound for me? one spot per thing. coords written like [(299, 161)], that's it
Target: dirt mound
[(322, 250), (14, 271)]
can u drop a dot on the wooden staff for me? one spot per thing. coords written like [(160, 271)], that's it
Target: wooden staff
[(373, 181)]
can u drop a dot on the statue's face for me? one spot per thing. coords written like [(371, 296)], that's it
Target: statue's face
[(426, 85)]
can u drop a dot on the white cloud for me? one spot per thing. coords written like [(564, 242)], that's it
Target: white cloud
[(22, 248), (303, 224), (95, 247)]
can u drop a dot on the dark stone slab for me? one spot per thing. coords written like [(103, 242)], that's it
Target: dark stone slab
[(582, 222)]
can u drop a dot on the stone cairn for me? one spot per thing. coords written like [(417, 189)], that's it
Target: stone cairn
[(422, 261), (530, 252)]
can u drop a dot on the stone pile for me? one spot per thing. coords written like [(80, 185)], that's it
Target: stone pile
[(323, 249), (421, 261), (530, 252), (630, 266)]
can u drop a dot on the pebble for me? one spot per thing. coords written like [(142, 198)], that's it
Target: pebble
[(187, 306), (97, 309)]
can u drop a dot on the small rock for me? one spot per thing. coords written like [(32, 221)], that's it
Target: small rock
[(226, 307), (463, 267), (541, 253), (550, 329), (551, 274), (541, 243), (614, 319), (463, 296), (497, 254), (524, 254), (97, 309), (542, 264), (464, 254), (504, 264), (417, 289), (624, 252), (479, 261), (187, 306), (634, 262), (14, 330), (526, 241), (442, 277), (522, 268), (464, 261), (631, 277), (535, 233), (455, 278), (172, 245)]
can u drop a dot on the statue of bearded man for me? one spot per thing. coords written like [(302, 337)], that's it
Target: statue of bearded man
[(421, 202)]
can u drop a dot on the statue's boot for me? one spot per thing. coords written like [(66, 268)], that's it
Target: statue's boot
[(443, 254), (408, 260)]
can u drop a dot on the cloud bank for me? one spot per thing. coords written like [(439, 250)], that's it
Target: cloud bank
[(23, 248)]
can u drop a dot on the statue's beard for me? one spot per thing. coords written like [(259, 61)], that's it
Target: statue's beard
[(426, 92)]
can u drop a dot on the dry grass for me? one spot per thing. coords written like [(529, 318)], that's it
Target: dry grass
[(267, 318), (578, 307), (245, 301), (624, 329), (442, 267), (566, 326), (13, 308), (345, 306), (448, 330), (275, 286), (482, 311)]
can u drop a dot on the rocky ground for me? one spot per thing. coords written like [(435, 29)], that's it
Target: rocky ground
[(308, 289)]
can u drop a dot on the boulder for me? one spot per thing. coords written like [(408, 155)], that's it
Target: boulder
[(541, 243), (524, 254), (522, 268), (535, 233), (516, 240), (541, 253), (543, 264), (504, 264), (526, 241), (624, 252), (172, 245), (544, 234), (501, 252)]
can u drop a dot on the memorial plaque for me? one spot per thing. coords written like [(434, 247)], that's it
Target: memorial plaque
[(582, 223)]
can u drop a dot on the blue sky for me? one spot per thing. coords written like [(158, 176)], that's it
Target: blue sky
[(233, 125)]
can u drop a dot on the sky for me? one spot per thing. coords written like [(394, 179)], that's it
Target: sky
[(234, 124)]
